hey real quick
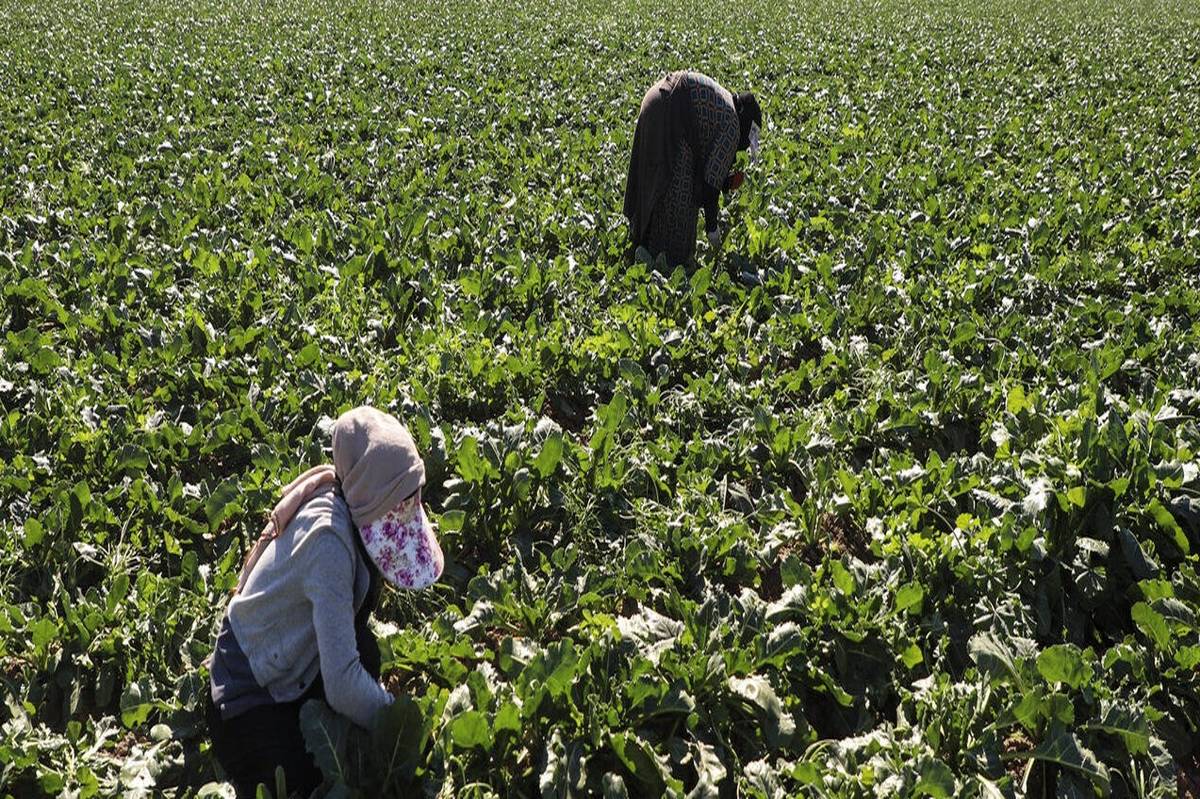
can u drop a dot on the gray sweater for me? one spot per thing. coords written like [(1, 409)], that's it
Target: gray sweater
[(295, 616)]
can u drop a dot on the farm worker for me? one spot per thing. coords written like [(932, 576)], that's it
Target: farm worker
[(296, 628), (688, 132)]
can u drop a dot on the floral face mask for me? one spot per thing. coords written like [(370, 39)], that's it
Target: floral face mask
[(403, 546)]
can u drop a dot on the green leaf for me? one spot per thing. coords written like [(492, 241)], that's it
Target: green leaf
[(1139, 563), (452, 521), (132, 458), (34, 533), (222, 503), (639, 759), (1188, 657), (1030, 709), (326, 736), (470, 729), (784, 642), (353, 266), (633, 372), (1016, 401), (936, 780), (508, 718), (842, 578), (1152, 624), (994, 657), (1062, 748), (398, 739), (308, 355), (43, 360), (550, 455), (470, 464), (909, 597), (777, 725), (1059, 706), (1064, 663), (51, 782), (676, 701), (1168, 523), (42, 632), (1156, 589), (807, 773), (1121, 720), (82, 495), (794, 571), (136, 703)]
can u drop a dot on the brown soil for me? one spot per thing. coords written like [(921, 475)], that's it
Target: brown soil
[(569, 415), (770, 577), (492, 638), (122, 748), (839, 533), (1017, 741), (398, 682), (836, 534), (1188, 777)]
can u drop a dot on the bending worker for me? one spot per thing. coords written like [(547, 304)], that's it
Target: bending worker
[(688, 133), (296, 628)]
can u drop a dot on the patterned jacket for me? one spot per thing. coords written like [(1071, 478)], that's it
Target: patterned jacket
[(713, 136)]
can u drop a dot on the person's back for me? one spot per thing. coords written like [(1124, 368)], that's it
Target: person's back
[(291, 617)]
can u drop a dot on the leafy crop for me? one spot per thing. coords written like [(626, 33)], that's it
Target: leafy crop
[(897, 495)]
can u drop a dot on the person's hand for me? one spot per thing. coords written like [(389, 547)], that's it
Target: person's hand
[(395, 683), (714, 237), (734, 181)]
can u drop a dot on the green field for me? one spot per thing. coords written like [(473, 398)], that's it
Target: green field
[(898, 494)]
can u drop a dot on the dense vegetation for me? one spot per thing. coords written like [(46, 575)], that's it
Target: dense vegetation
[(898, 494)]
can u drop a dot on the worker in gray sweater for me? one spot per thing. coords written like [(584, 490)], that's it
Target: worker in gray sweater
[(296, 628)]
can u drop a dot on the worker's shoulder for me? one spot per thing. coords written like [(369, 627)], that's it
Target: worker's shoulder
[(696, 78), (325, 512), (706, 91)]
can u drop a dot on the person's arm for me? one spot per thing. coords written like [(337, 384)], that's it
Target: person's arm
[(716, 170), (710, 201), (329, 586)]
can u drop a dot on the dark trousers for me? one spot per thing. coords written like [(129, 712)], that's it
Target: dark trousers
[(251, 745)]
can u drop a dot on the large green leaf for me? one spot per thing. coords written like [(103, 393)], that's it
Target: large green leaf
[(1122, 720), (398, 740), (326, 737), (1063, 748), (778, 727), (997, 657), (550, 454), (639, 760), (936, 779), (1152, 623), (470, 729), (1064, 663)]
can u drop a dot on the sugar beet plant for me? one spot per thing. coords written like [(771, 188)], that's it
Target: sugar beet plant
[(898, 494)]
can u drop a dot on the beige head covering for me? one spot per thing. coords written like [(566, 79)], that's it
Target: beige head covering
[(378, 465), (377, 462)]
